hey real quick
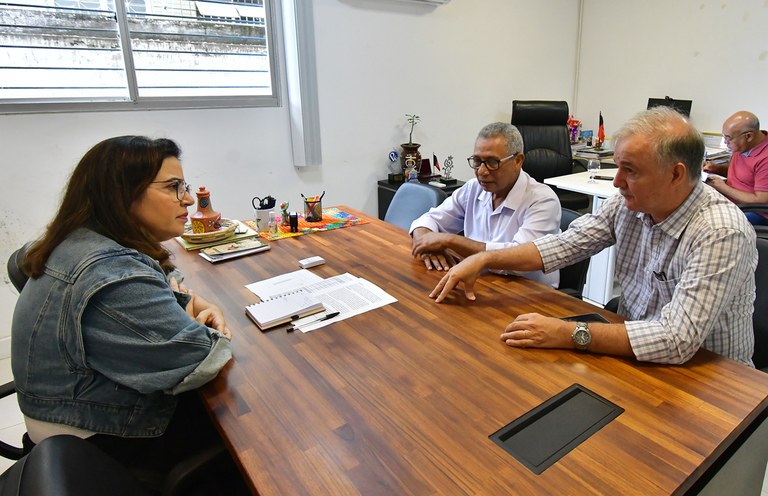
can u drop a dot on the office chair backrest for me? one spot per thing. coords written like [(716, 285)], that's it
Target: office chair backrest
[(411, 200), (543, 125), (759, 320), (15, 274), (762, 231), (573, 277), (18, 279)]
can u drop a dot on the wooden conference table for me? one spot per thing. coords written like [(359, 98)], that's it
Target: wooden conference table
[(402, 399)]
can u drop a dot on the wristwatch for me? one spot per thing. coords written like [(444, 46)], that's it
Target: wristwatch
[(581, 336)]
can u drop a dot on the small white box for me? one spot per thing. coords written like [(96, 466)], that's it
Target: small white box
[(306, 263)]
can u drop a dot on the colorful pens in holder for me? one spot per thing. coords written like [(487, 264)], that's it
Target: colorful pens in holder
[(313, 208)]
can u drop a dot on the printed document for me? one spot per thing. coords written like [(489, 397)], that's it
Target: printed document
[(347, 294)]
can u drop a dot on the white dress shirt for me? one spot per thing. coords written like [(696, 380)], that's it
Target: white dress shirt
[(529, 211), (687, 282)]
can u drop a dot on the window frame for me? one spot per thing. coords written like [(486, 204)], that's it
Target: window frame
[(134, 102)]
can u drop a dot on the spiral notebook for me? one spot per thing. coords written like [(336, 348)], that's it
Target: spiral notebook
[(283, 309)]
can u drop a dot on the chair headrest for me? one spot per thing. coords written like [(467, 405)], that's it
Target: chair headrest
[(539, 113)]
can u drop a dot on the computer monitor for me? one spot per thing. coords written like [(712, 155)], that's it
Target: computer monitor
[(682, 106)]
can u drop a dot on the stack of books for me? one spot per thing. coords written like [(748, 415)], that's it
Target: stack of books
[(244, 241), (592, 152), (233, 249), (717, 155)]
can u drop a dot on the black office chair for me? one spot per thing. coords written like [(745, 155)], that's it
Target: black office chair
[(613, 304), (18, 279), (411, 200), (68, 466), (760, 208), (543, 125), (573, 277), (759, 321)]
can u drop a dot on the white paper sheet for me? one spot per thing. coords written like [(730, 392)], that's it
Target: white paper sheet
[(283, 284)]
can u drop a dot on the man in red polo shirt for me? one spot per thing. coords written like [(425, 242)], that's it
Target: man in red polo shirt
[(747, 180)]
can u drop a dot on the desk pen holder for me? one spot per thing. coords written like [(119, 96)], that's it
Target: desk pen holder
[(313, 210), (261, 217)]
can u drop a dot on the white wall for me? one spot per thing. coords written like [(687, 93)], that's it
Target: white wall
[(458, 66), (714, 52)]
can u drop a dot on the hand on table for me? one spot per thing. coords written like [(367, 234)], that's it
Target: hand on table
[(465, 273), (532, 330)]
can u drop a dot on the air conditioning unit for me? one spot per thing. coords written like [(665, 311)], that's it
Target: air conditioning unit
[(426, 2)]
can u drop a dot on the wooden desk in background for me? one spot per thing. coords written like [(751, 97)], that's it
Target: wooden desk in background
[(401, 400), (598, 287)]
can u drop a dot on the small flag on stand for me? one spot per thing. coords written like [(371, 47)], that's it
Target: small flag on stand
[(601, 130), (435, 162)]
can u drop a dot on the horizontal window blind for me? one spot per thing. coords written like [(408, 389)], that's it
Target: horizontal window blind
[(135, 50)]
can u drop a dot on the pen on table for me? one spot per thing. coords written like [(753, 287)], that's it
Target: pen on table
[(604, 178), (327, 316)]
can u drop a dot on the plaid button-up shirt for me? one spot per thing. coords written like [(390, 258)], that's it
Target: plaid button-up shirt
[(687, 282)]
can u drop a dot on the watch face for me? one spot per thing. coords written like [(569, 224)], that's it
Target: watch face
[(581, 337)]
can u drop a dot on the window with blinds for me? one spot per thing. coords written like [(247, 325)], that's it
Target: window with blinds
[(135, 54)]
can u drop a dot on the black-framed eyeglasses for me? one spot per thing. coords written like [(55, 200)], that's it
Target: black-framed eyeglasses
[(490, 163), (182, 187), (728, 139)]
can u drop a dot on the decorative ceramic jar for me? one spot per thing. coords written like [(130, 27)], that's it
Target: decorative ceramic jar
[(206, 219), (410, 158)]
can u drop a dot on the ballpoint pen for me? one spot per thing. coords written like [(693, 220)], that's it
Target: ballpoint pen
[(327, 316)]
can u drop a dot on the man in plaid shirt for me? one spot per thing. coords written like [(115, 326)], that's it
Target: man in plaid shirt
[(686, 256)]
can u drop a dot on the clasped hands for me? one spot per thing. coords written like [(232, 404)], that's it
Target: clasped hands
[(201, 310), (429, 246)]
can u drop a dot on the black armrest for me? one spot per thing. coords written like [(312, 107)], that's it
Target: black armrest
[(7, 389), (578, 166), (6, 450), (754, 207)]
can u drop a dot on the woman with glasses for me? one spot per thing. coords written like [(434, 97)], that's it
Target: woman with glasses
[(105, 339)]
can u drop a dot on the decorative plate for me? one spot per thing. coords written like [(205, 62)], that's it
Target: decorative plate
[(226, 230)]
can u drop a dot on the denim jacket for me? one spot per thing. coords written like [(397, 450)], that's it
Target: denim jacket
[(101, 342)]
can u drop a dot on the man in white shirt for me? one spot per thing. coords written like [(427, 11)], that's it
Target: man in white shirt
[(686, 256), (502, 207)]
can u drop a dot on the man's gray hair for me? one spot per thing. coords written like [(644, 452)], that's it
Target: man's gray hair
[(510, 133), (670, 145)]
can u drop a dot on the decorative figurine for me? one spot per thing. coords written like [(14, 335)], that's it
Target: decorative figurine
[(574, 128), (447, 168), (206, 219), (284, 208)]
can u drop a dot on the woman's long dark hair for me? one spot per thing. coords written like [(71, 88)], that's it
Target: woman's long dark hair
[(102, 188)]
